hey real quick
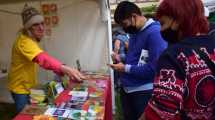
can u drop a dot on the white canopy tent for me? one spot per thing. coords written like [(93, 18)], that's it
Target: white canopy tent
[(83, 33)]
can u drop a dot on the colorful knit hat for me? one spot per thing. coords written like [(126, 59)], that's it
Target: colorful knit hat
[(31, 16)]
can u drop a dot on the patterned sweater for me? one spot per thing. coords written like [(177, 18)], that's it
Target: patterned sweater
[(184, 87)]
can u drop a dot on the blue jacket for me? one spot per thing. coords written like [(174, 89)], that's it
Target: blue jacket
[(147, 44)]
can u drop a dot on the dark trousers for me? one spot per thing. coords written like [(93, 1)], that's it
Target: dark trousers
[(20, 101), (133, 104), (117, 83)]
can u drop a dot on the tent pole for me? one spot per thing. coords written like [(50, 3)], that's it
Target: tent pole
[(109, 56)]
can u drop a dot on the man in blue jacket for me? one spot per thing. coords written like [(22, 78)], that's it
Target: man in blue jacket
[(145, 47)]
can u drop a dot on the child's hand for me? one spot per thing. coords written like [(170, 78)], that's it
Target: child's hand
[(115, 57)]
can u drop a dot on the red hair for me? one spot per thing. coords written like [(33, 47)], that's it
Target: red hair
[(188, 13)]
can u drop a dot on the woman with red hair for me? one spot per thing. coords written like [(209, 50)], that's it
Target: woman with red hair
[(184, 87)]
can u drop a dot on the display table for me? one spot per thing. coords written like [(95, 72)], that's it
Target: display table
[(64, 97)]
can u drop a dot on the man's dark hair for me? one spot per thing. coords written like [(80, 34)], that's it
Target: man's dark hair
[(124, 10)]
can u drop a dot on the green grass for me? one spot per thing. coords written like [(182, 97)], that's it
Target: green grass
[(118, 114)]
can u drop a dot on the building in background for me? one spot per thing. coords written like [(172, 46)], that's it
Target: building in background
[(210, 4)]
